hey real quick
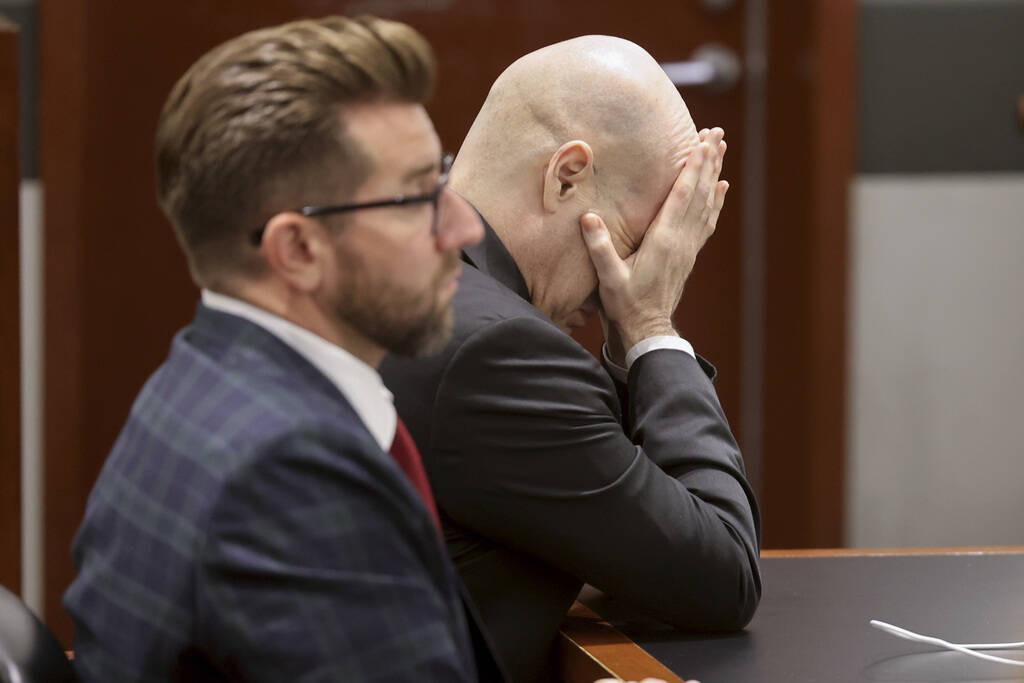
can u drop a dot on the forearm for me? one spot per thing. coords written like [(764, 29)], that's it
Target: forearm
[(689, 566), (682, 428), (637, 534), (532, 454), (677, 420)]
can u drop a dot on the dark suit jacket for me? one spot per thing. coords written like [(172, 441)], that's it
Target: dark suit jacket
[(549, 475), (247, 526)]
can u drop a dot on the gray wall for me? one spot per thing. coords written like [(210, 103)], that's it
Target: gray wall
[(936, 422), (24, 13)]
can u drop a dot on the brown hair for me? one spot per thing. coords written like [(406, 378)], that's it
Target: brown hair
[(254, 127)]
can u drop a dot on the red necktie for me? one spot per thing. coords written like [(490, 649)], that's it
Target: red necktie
[(405, 453)]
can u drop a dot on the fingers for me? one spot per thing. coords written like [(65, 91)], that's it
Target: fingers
[(701, 187), (680, 196), (610, 268), (719, 160), (714, 190), (716, 208), (702, 202), (693, 192), (712, 165), (639, 294), (715, 139)]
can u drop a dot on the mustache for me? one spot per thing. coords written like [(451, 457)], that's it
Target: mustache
[(451, 266)]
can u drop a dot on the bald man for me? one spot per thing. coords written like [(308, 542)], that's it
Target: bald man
[(550, 468)]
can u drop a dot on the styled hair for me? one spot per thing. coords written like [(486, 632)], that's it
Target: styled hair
[(256, 126)]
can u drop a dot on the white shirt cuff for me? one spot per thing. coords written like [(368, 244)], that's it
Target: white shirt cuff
[(666, 341), (640, 348)]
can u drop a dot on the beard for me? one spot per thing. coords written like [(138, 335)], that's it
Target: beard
[(403, 321)]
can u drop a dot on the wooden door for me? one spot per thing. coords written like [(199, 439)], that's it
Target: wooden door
[(10, 327), (117, 286)]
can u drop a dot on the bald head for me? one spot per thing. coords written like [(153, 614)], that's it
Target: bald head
[(606, 91), (591, 123)]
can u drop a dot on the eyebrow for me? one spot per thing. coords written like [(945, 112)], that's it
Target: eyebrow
[(420, 172)]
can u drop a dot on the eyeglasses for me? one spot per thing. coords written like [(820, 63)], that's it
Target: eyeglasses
[(433, 197)]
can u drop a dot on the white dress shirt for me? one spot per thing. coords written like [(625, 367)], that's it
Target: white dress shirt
[(357, 381), (643, 346)]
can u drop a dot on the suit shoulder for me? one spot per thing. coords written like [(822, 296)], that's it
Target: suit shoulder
[(481, 304), (215, 414), (481, 300), (494, 329)]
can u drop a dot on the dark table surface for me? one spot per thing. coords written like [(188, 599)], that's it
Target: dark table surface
[(812, 624)]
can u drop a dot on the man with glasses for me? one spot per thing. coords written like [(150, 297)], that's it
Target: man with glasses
[(550, 468), (263, 516)]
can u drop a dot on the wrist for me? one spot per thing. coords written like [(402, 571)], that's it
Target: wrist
[(615, 349), (635, 333)]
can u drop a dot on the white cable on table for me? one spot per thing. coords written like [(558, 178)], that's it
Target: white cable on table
[(967, 649)]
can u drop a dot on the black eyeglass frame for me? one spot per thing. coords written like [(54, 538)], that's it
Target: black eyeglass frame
[(434, 196)]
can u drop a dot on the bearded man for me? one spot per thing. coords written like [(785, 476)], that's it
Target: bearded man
[(263, 516)]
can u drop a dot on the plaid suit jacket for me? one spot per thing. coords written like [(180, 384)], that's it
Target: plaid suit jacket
[(246, 526)]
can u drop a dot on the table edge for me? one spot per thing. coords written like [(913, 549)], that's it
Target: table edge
[(881, 552), (590, 648)]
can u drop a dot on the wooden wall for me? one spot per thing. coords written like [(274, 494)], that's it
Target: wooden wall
[(809, 166), (10, 323)]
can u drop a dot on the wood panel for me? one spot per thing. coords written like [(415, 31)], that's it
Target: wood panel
[(10, 311), (63, 142), (590, 648), (810, 162)]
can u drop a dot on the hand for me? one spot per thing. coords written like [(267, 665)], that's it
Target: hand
[(640, 293)]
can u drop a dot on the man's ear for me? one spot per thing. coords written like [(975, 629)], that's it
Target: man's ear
[(296, 248), (569, 167)]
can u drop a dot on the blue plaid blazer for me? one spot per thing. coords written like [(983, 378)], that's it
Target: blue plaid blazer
[(246, 526)]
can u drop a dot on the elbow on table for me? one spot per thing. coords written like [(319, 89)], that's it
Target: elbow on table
[(735, 576), (747, 599), (721, 599), (737, 599)]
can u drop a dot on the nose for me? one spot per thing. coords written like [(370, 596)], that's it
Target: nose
[(458, 225)]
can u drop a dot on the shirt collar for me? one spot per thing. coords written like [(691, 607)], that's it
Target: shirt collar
[(490, 257), (358, 382)]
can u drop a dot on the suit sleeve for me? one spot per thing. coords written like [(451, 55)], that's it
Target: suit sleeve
[(319, 568), (528, 434)]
